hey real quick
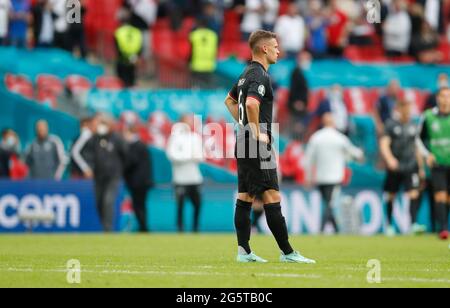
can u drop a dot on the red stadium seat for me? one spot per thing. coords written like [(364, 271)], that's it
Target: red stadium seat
[(50, 83), (19, 85), (78, 84), (291, 162), (359, 100), (417, 98), (109, 83), (315, 98), (159, 128), (47, 97)]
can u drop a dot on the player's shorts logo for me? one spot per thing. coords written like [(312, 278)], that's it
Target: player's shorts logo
[(262, 90)]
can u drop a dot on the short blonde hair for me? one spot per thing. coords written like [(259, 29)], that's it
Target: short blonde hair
[(258, 36)]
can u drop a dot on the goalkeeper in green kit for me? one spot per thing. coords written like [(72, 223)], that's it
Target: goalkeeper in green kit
[(434, 143)]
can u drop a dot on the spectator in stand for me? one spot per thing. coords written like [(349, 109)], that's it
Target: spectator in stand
[(45, 156), (397, 30), (10, 164), (291, 31), (271, 8), (204, 50), (18, 23), (424, 45), (5, 10), (129, 44), (61, 26), (106, 154), (434, 12), (76, 36), (252, 17), (361, 31), (442, 83), (138, 173), (212, 18), (298, 97), (334, 105), (337, 30), (143, 17), (317, 27), (417, 16), (80, 167), (185, 151), (385, 107), (5, 154), (43, 24)]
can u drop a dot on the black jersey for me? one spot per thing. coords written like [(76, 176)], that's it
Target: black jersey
[(254, 82), (403, 143)]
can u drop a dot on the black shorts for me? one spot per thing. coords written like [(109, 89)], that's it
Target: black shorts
[(440, 179), (254, 180), (396, 180), (257, 175)]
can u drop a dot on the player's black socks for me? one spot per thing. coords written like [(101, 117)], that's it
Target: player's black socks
[(390, 210), (442, 216), (242, 224), (277, 225), (414, 209)]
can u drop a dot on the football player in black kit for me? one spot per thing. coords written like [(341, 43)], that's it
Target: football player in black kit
[(251, 104)]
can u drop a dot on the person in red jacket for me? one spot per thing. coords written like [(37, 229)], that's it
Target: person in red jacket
[(337, 30)]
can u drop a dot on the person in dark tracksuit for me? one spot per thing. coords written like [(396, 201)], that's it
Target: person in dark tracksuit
[(138, 175), (106, 156)]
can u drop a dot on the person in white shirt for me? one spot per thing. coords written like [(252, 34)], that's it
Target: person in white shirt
[(397, 30), (325, 161), (5, 9), (61, 26), (253, 17), (291, 30), (271, 8), (185, 151)]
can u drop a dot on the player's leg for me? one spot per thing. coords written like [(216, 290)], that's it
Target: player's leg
[(242, 224), (139, 199), (391, 188), (195, 197), (242, 221), (412, 186), (277, 224), (180, 193), (328, 193), (440, 186)]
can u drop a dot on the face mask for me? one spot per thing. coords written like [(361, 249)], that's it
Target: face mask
[(102, 129), (336, 95), (306, 66), (9, 143), (443, 84)]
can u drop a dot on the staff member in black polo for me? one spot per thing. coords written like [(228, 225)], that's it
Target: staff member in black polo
[(138, 174)]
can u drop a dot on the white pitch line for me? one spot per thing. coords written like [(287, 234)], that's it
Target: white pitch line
[(193, 273), (160, 273)]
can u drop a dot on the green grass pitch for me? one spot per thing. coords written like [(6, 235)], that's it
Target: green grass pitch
[(199, 261)]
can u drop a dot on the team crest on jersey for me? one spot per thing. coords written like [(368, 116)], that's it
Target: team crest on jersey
[(262, 90), (241, 82)]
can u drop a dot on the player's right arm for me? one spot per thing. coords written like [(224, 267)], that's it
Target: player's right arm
[(232, 103), (233, 107)]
